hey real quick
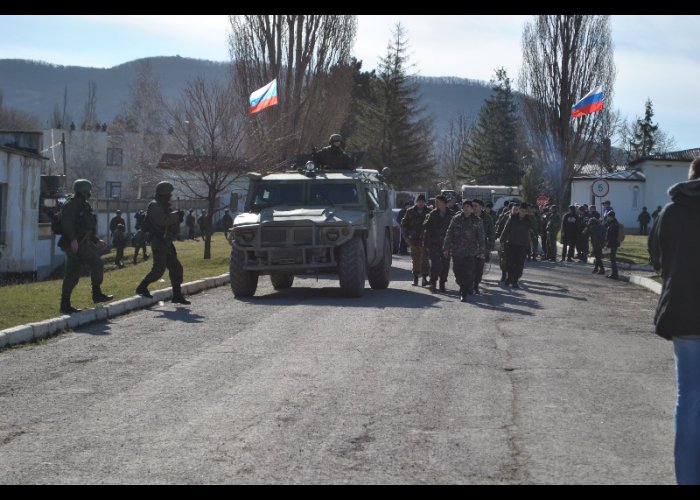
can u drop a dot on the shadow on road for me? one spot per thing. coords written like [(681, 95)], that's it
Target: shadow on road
[(182, 314), (99, 328), (333, 296)]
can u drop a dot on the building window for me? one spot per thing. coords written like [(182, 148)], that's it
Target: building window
[(3, 212), (114, 157), (114, 190), (635, 198)]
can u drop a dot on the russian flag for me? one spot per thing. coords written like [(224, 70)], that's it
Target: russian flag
[(591, 102), (264, 97)]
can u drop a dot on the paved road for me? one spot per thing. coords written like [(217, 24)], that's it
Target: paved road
[(561, 382)]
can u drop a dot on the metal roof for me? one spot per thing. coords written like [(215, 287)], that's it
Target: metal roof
[(621, 175), (686, 155)]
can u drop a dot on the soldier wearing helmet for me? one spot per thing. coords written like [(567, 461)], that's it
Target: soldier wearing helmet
[(80, 243), (164, 226), (332, 156)]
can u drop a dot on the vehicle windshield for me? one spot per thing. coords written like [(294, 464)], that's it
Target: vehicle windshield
[(275, 194), (333, 194), (270, 194)]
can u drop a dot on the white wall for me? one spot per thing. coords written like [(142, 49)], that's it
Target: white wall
[(621, 196), (659, 177), (21, 217)]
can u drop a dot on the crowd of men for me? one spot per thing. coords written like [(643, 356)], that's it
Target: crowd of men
[(465, 236)]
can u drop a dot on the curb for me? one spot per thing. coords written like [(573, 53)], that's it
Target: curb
[(647, 283), (46, 328)]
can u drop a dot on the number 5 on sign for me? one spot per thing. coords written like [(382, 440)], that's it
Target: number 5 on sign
[(600, 188)]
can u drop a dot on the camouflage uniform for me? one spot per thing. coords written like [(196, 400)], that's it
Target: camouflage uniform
[(333, 156), (553, 225), (465, 240), (536, 229), (80, 224), (436, 225), (490, 241), (166, 226), (412, 225), (119, 243), (502, 260)]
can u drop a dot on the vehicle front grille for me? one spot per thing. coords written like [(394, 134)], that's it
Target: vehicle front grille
[(273, 236), (303, 236)]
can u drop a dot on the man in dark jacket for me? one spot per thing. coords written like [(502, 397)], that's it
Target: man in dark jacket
[(403, 247), (611, 241), (465, 241), (516, 236), (116, 220), (435, 228), (189, 222), (412, 226), (644, 219), (226, 222), (569, 234), (596, 232), (119, 243), (674, 247)]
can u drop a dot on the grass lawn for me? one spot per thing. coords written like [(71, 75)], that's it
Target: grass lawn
[(27, 303), (633, 250)]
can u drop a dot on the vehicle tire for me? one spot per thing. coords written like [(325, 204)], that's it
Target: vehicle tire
[(282, 281), (379, 276), (243, 283), (352, 267)]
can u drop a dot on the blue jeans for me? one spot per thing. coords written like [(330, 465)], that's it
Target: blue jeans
[(687, 445)]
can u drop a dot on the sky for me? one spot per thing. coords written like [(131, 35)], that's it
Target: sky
[(657, 56)]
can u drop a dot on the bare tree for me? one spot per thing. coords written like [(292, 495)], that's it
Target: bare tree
[(208, 119), (309, 55), (141, 128), (90, 108), (451, 150), (564, 57)]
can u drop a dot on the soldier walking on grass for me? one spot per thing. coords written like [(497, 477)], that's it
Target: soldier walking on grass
[(80, 243), (119, 243), (163, 224)]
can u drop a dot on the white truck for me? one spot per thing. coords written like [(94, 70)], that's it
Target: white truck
[(495, 194)]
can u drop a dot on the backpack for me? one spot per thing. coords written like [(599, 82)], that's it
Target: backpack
[(620, 233), (55, 217)]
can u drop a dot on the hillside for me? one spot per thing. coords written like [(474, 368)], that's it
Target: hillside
[(35, 87)]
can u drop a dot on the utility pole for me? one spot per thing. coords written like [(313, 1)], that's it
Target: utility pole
[(63, 148)]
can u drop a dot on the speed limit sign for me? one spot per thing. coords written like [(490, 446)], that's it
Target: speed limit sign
[(600, 188)]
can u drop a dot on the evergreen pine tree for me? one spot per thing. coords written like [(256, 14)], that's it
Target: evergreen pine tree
[(643, 142), (493, 155), (394, 130)]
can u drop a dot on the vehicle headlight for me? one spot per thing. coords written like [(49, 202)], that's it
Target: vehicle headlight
[(247, 236), (332, 234)]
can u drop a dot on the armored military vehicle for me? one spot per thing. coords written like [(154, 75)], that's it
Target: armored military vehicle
[(311, 221)]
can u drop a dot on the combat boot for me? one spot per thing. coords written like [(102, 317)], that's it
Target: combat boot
[(178, 298), (503, 276), (98, 296), (424, 282), (415, 279), (142, 290), (66, 308), (462, 294), (442, 286)]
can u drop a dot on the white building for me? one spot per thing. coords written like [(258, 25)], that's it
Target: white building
[(644, 184), (26, 244)]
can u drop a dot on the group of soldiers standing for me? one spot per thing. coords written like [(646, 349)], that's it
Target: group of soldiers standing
[(467, 235), (79, 241)]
